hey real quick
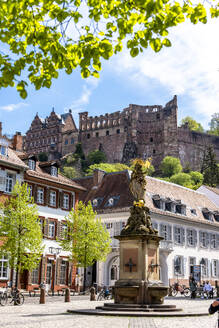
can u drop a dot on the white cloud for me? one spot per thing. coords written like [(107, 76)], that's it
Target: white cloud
[(12, 107), (78, 104), (190, 68)]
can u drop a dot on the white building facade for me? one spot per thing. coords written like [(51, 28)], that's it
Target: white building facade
[(186, 219)]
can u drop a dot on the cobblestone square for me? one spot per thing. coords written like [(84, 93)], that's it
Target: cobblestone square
[(53, 315)]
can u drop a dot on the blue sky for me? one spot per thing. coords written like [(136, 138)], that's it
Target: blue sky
[(189, 69)]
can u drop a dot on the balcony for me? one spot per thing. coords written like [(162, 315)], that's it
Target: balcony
[(166, 246)]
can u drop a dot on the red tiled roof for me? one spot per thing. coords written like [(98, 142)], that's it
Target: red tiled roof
[(60, 179), (13, 159)]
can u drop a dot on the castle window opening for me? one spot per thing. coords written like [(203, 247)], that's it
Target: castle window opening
[(158, 116), (107, 133), (118, 131), (88, 136), (154, 151), (72, 141), (97, 134), (151, 139)]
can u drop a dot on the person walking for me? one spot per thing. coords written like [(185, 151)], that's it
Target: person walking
[(193, 287), (214, 307)]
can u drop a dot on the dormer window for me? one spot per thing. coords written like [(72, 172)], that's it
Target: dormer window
[(54, 171), (112, 201), (157, 201), (31, 164), (207, 214)]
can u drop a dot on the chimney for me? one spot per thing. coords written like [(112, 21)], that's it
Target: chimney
[(17, 142), (98, 176)]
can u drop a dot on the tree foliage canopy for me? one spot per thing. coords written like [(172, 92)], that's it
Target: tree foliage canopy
[(41, 37), (20, 230), (192, 124), (214, 124), (210, 168), (88, 241), (170, 166), (107, 167)]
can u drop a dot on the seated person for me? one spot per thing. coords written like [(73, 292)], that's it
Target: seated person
[(208, 289), (214, 307)]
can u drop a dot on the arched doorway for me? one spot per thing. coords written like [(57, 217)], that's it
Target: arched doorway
[(113, 270)]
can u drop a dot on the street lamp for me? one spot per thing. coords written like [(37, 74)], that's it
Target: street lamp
[(55, 251)]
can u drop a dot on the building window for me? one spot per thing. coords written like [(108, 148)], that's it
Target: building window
[(107, 133), (158, 116), (52, 198), (178, 265), (40, 195), (63, 270), (66, 141), (203, 239), (9, 182), (35, 276), (41, 221), (158, 203), (193, 211), (166, 231), (154, 151), (3, 150), (118, 131), (213, 241), (66, 201), (72, 141), (97, 134), (215, 268), (64, 231), (52, 228), (179, 235), (204, 267), (4, 267), (191, 237), (88, 136), (30, 191), (151, 139), (54, 171), (192, 262)]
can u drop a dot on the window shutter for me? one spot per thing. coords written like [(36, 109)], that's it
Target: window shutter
[(184, 262), (175, 234), (35, 193), (200, 238), (207, 239), (208, 268), (73, 200), (161, 229), (2, 180), (169, 229), (182, 231), (46, 227), (217, 268), (47, 194), (155, 225), (195, 237), (59, 230), (217, 241), (60, 199)]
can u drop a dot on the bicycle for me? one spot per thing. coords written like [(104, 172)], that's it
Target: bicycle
[(105, 294), (176, 288), (16, 296)]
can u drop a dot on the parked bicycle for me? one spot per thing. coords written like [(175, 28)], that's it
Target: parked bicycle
[(105, 294), (14, 295), (177, 288)]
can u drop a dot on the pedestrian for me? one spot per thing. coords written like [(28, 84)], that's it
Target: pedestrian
[(214, 307), (193, 287)]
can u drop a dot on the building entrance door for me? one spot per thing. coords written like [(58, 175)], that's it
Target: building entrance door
[(49, 272)]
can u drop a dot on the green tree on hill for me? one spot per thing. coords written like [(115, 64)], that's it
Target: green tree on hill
[(192, 124), (170, 166), (210, 168), (214, 124)]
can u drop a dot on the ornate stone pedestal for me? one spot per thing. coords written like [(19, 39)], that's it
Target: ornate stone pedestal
[(139, 271)]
